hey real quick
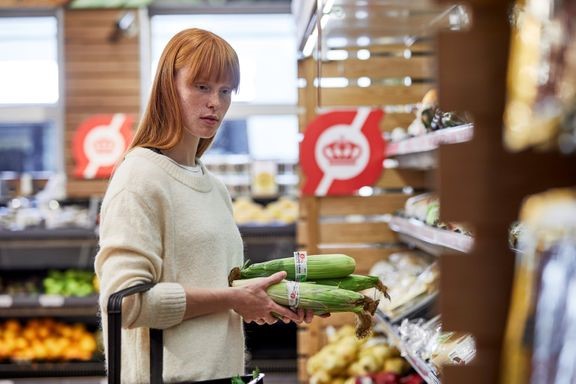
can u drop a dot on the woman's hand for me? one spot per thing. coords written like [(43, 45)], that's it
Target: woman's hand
[(253, 303)]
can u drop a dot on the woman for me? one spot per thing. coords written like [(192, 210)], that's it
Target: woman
[(166, 219)]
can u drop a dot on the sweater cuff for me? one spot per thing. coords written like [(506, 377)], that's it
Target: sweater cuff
[(169, 303)]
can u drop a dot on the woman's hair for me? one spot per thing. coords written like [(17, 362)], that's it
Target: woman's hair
[(206, 56)]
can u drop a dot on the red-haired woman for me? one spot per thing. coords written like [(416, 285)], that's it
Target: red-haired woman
[(165, 219)]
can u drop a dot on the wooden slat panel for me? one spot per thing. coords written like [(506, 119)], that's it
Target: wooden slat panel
[(95, 86), (399, 178), (302, 374), (101, 33), (373, 96), (104, 101), (341, 233), (380, 67), (362, 205), (113, 67), (93, 109), (426, 47), (102, 52), (101, 78)]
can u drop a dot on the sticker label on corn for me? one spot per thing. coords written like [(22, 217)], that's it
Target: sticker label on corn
[(293, 291), (300, 266)]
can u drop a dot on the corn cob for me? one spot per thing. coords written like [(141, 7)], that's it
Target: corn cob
[(324, 299), (318, 267), (356, 283)]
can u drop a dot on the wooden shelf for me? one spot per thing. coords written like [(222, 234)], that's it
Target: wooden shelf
[(419, 152), (430, 141), (431, 240)]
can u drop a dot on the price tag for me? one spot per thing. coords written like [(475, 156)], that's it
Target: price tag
[(293, 288), (51, 300), (300, 266), (6, 301)]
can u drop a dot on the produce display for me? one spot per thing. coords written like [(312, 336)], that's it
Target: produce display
[(68, 283), (429, 118), (282, 211), (303, 287), (30, 285), (45, 340), (345, 359), (425, 339), (72, 282), (540, 110), (22, 212), (426, 208), (411, 276), (539, 339)]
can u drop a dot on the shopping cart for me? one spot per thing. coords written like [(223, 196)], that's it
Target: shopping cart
[(156, 344)]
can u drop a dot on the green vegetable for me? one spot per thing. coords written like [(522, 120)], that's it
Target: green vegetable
[(318, 267), (324, 299), (356, 283)]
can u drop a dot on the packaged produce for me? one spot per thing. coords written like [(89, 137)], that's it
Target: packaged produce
[(541, 322), (541, 106)]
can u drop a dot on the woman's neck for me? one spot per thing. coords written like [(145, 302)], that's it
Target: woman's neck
[(183, 153)]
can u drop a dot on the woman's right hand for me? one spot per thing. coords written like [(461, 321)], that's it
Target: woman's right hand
[(253, 303)]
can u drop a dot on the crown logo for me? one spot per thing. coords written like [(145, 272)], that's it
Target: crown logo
[(104, 145), (342, 152)]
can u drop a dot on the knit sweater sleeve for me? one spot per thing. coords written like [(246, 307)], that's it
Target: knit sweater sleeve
[(131, 253)]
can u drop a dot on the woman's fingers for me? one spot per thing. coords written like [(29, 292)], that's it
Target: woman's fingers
[(275, 278), (308, 316)]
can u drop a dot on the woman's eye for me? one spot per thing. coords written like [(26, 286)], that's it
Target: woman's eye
[(226, 91), (202, 87)]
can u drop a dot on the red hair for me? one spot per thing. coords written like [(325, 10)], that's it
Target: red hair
[(206, 56)]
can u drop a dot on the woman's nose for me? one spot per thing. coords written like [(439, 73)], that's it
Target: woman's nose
[(213, 100)]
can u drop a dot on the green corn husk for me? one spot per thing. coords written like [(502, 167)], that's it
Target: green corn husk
[(356, 283), (326, 299), (318, 267)]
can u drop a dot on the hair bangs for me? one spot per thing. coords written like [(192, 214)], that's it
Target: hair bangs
[(216, 61)]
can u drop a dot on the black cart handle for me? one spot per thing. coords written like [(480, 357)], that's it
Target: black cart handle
[(115, 338)]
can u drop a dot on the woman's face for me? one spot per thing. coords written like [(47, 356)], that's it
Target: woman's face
[(203, 103)]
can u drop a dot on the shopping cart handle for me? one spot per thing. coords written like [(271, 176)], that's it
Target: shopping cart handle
[(115, 336)]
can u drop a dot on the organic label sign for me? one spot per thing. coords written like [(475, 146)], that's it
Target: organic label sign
[(99, 142), (342, 151)]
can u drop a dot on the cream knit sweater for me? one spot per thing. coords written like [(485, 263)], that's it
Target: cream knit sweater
[(160, 223)]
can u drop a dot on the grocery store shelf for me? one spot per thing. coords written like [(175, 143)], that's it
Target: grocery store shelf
[(419, 365), (430, 141), (420, 152), (47, 305), (51, 234), (56, 369), (431, 240), (417, 307)]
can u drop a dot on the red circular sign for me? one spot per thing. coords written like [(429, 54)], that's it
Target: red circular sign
[(99, 142), (342, 151)]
